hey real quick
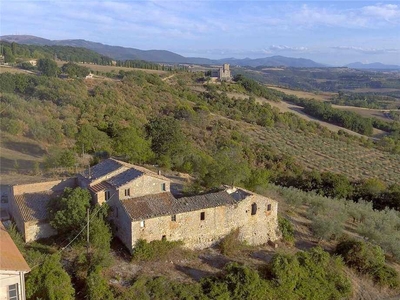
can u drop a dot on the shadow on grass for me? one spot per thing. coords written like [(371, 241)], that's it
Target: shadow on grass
[(195, 274)]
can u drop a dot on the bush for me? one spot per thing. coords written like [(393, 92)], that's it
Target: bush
[(231, 244), (308, 275), (368, 259), (145, 251), (286, 229)]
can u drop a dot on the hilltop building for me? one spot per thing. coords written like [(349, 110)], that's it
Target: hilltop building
[(143, 207), (222, 73), (13, 268)]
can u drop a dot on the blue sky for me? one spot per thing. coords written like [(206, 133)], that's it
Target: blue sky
[(332, 32)]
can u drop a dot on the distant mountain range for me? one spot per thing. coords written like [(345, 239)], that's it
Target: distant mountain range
[(124, 53), (373, 66)]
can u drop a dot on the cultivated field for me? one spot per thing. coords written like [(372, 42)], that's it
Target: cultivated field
[(321, 96), (319, 153)]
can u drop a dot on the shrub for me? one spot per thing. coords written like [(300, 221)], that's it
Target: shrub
[(145, 251), (238, 282), (231, 244), (308, 275), (286, 229), (368, 259), (360, 256)]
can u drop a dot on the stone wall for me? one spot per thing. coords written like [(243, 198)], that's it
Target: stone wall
[(144, 185), (57, 185), (218, 222), (38, 230), (121, 223)]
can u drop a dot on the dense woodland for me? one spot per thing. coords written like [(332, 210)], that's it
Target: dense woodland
[(143, 119), (14, 52)]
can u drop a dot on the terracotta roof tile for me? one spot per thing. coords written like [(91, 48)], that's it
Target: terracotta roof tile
[(33, 206), (99, 187), (10, 257)]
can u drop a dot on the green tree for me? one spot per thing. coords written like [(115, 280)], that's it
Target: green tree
[(90, 139), (100, 239), (49, 281), (97, 287), (68, 212), (131, 144), (48, 67), (167, 140), (74, 70)]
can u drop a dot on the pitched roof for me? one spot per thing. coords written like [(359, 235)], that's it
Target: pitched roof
[(163, 204), (101, 169), (10, 257), (33, 206), (124, 177), (126, 172)]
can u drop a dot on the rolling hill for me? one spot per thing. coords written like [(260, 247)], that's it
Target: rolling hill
[(124, 53)]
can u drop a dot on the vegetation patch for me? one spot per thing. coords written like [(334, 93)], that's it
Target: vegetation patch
[(155, 250), (368, 259), (287, 230), (230, 244)]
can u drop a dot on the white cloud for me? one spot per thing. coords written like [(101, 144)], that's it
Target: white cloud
[(367, 50), (388, 12), (286, 48)]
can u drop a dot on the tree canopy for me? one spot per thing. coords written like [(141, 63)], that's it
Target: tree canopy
[(68, 212)]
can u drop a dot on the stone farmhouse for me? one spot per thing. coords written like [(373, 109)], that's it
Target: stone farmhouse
[(143, 207)]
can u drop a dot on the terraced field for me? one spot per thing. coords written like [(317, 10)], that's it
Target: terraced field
[(324, 154)]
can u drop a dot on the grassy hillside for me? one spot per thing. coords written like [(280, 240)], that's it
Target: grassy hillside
[(143, 118)]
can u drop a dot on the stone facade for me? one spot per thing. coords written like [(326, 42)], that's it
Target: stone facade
[(222, 73), (142, 207), (254, 215)]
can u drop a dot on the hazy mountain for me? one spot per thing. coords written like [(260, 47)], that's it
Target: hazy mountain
[(275, 61), (123, 53), (373, 66)]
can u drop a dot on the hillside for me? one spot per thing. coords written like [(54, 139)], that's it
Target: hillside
[(184, 124), (102, 116), (125, 53)]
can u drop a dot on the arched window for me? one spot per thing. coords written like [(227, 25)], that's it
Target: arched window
[(253, 209)]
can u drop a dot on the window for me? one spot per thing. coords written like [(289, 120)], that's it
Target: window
[(142, 224), (269, 207), (163, 187), (107, 195), (13, 292), (127, 192), (253, 209), (173, 218), (164, 238), (202, 216)]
